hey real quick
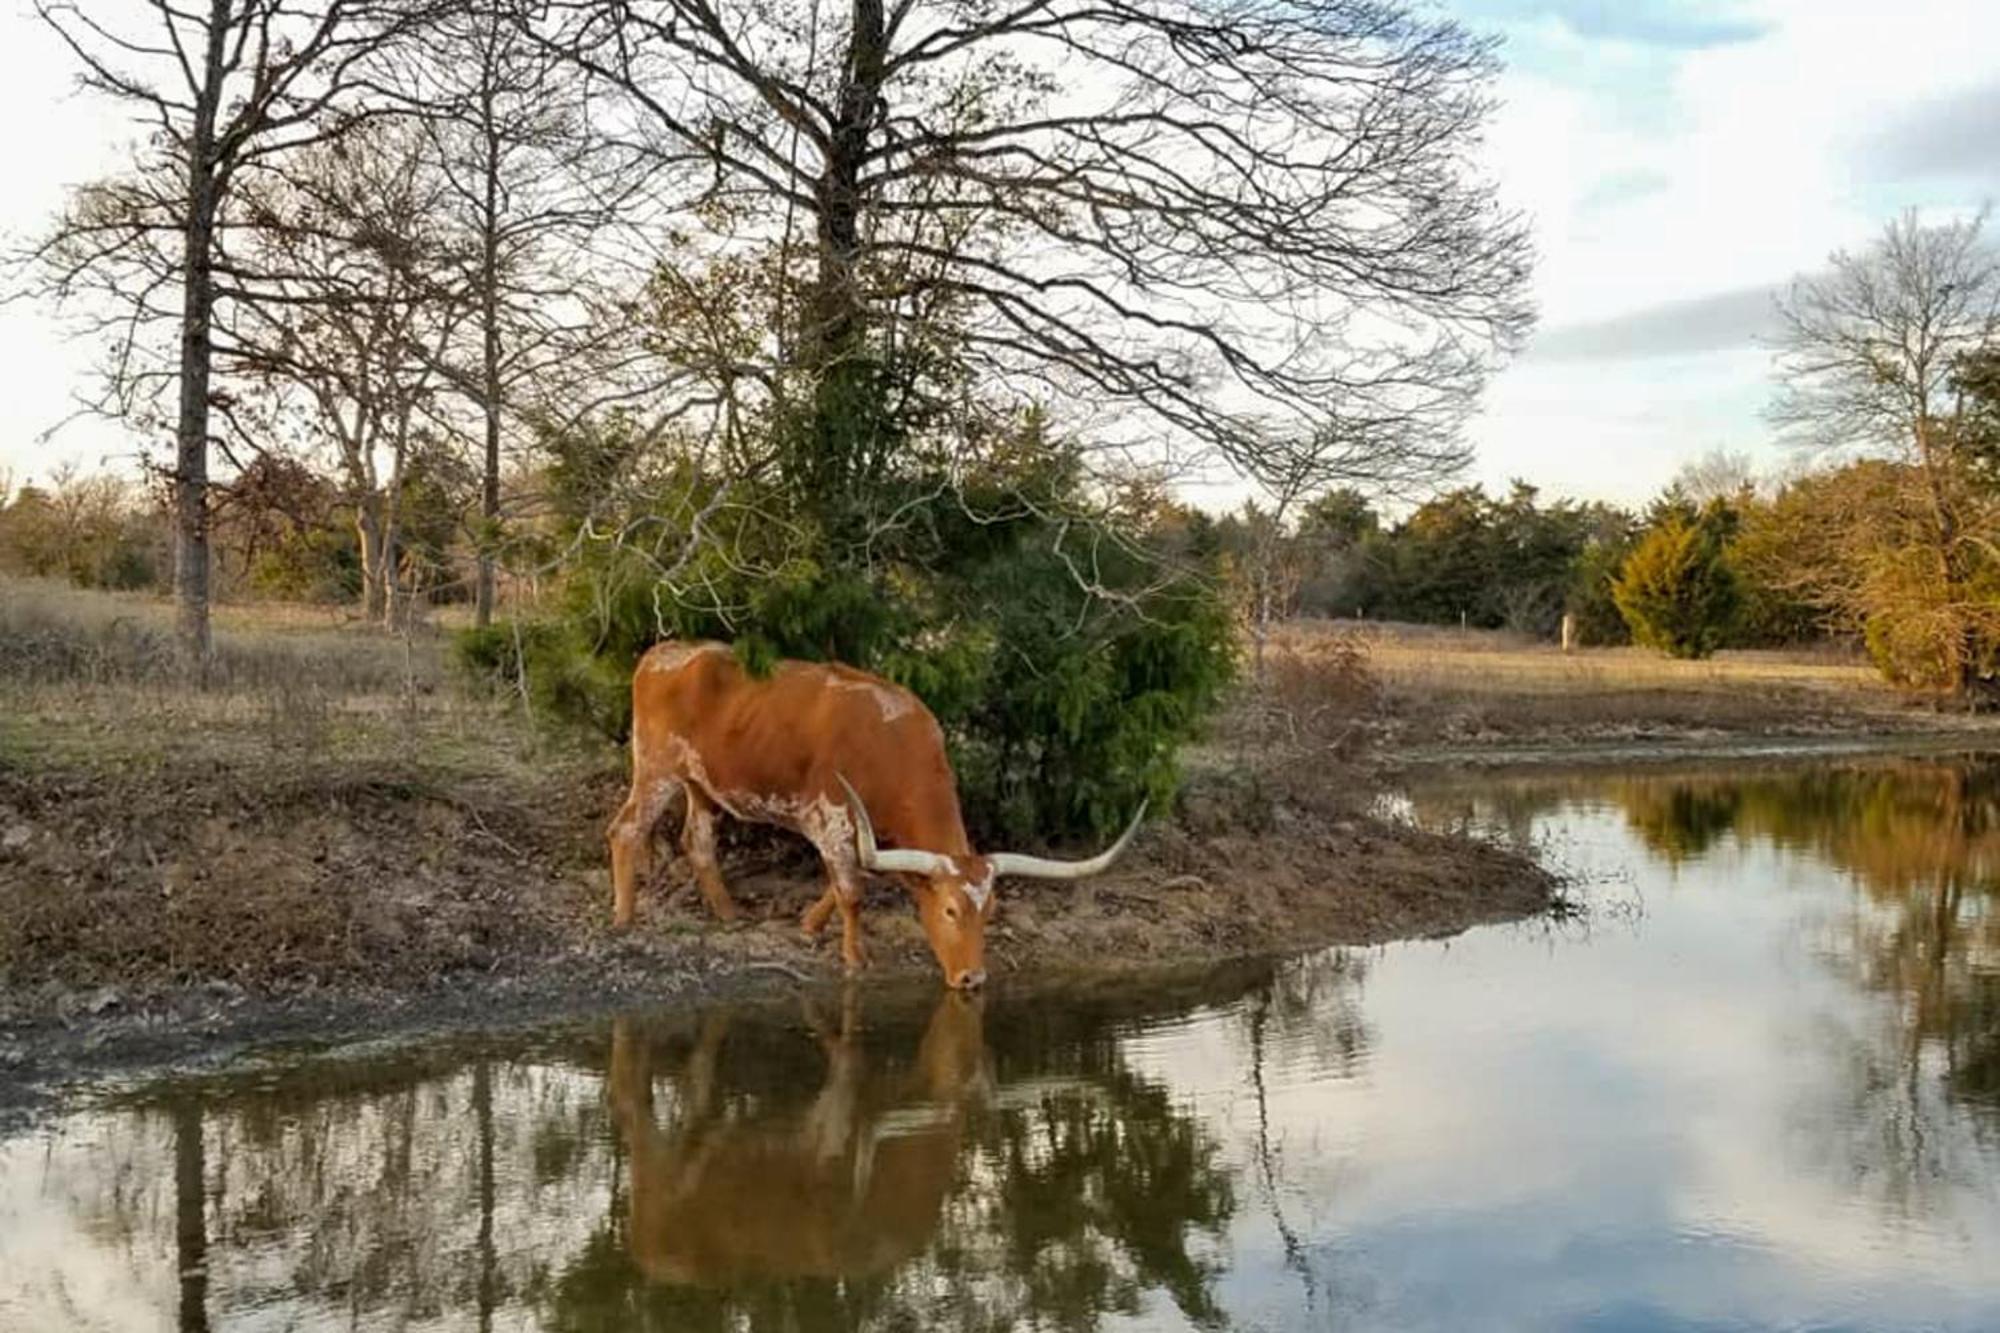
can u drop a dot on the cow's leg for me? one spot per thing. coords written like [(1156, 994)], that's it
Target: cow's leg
[(631, 837), (843, 891), (631, 1082), (847, 896), (831, 1121), (698, 1079), (698, 841), (833, 836), (814, 921)]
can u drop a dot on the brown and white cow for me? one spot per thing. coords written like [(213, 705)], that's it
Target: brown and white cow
[(844, 758), (851, 1184)]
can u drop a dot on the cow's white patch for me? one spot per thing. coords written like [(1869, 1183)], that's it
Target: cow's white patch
[(760, 808), (980, 890), (687, 759), (831, 828), (892, 703), (668, 657)]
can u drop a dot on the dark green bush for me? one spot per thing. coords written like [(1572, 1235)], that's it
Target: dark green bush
[(1591, 600), (310, 564), (1063, 705)]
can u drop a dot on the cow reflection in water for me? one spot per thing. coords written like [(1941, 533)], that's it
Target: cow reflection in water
[(851, 1185)]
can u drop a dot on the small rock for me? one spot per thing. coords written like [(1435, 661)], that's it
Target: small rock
[(105, 1000), (16, 837)]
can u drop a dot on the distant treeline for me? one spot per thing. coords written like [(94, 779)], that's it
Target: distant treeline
[(1901, 556), (278, 530), (1511, 562), (1717, 560)]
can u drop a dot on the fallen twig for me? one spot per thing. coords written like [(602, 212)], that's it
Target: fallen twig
[(772, 965)]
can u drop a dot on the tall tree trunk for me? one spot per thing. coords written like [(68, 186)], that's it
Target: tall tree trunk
[(489, 314), (395, 596), (368, 528), (829, 463), (191, 571)]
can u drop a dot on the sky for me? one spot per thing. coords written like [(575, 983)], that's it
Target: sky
[(1680, 160)]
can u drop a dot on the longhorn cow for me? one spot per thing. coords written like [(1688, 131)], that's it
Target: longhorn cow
[(855, 764), (849, 1185)]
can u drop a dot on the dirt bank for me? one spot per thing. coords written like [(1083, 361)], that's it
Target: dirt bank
[(154, 910)]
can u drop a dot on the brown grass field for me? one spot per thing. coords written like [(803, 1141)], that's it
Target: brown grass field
[(1445, 689)]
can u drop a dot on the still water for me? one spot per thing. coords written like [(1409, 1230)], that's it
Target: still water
[(1757, 1085)]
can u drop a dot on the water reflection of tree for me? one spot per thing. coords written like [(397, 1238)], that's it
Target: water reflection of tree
[(367, 1193), (1311, 1002), (190, 1218), (1099, 1191), (1920, 838), (471, 1186), (1922, 841), (1075, 1192)]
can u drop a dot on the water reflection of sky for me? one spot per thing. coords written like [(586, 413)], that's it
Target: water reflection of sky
[(1745, 1094), (1654, 1127)]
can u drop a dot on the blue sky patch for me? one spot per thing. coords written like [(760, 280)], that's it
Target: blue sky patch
[(1679, 24)]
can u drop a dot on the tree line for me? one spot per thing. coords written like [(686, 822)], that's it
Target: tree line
[(1885, 529)]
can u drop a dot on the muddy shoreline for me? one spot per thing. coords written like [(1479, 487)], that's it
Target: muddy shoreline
[(1670, 747), (171, 918), (467, 908)]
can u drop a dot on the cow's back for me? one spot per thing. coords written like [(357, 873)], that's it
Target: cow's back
[(782, 737)]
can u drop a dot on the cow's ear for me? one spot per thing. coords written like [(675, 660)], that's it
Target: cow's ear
[(991, 907)]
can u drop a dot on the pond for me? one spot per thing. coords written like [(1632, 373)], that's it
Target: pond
[(1756, 1084)]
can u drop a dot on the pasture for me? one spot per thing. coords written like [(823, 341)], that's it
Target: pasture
[(1466, 690)]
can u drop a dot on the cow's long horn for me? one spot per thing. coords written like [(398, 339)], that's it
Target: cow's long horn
[(1040, 867), (899, 860)]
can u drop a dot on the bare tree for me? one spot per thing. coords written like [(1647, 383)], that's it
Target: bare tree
[(1237, 227), (1719, 474), (1867, 360), (361, 303), (532, 185), (225, 90)]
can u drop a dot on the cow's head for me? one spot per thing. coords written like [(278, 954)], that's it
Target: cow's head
[(955, 897)]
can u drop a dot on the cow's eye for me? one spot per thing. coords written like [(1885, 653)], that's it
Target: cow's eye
[(951, 912)]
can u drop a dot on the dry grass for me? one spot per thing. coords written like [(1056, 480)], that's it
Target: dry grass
[(1457, 687), (53, 634), (96, 678), (333, 807), (1296, 735)]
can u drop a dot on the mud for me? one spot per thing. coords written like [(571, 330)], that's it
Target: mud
[(180, 914)]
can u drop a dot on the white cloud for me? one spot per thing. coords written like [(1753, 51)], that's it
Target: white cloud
[(1670, 152), (1751, 164)]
